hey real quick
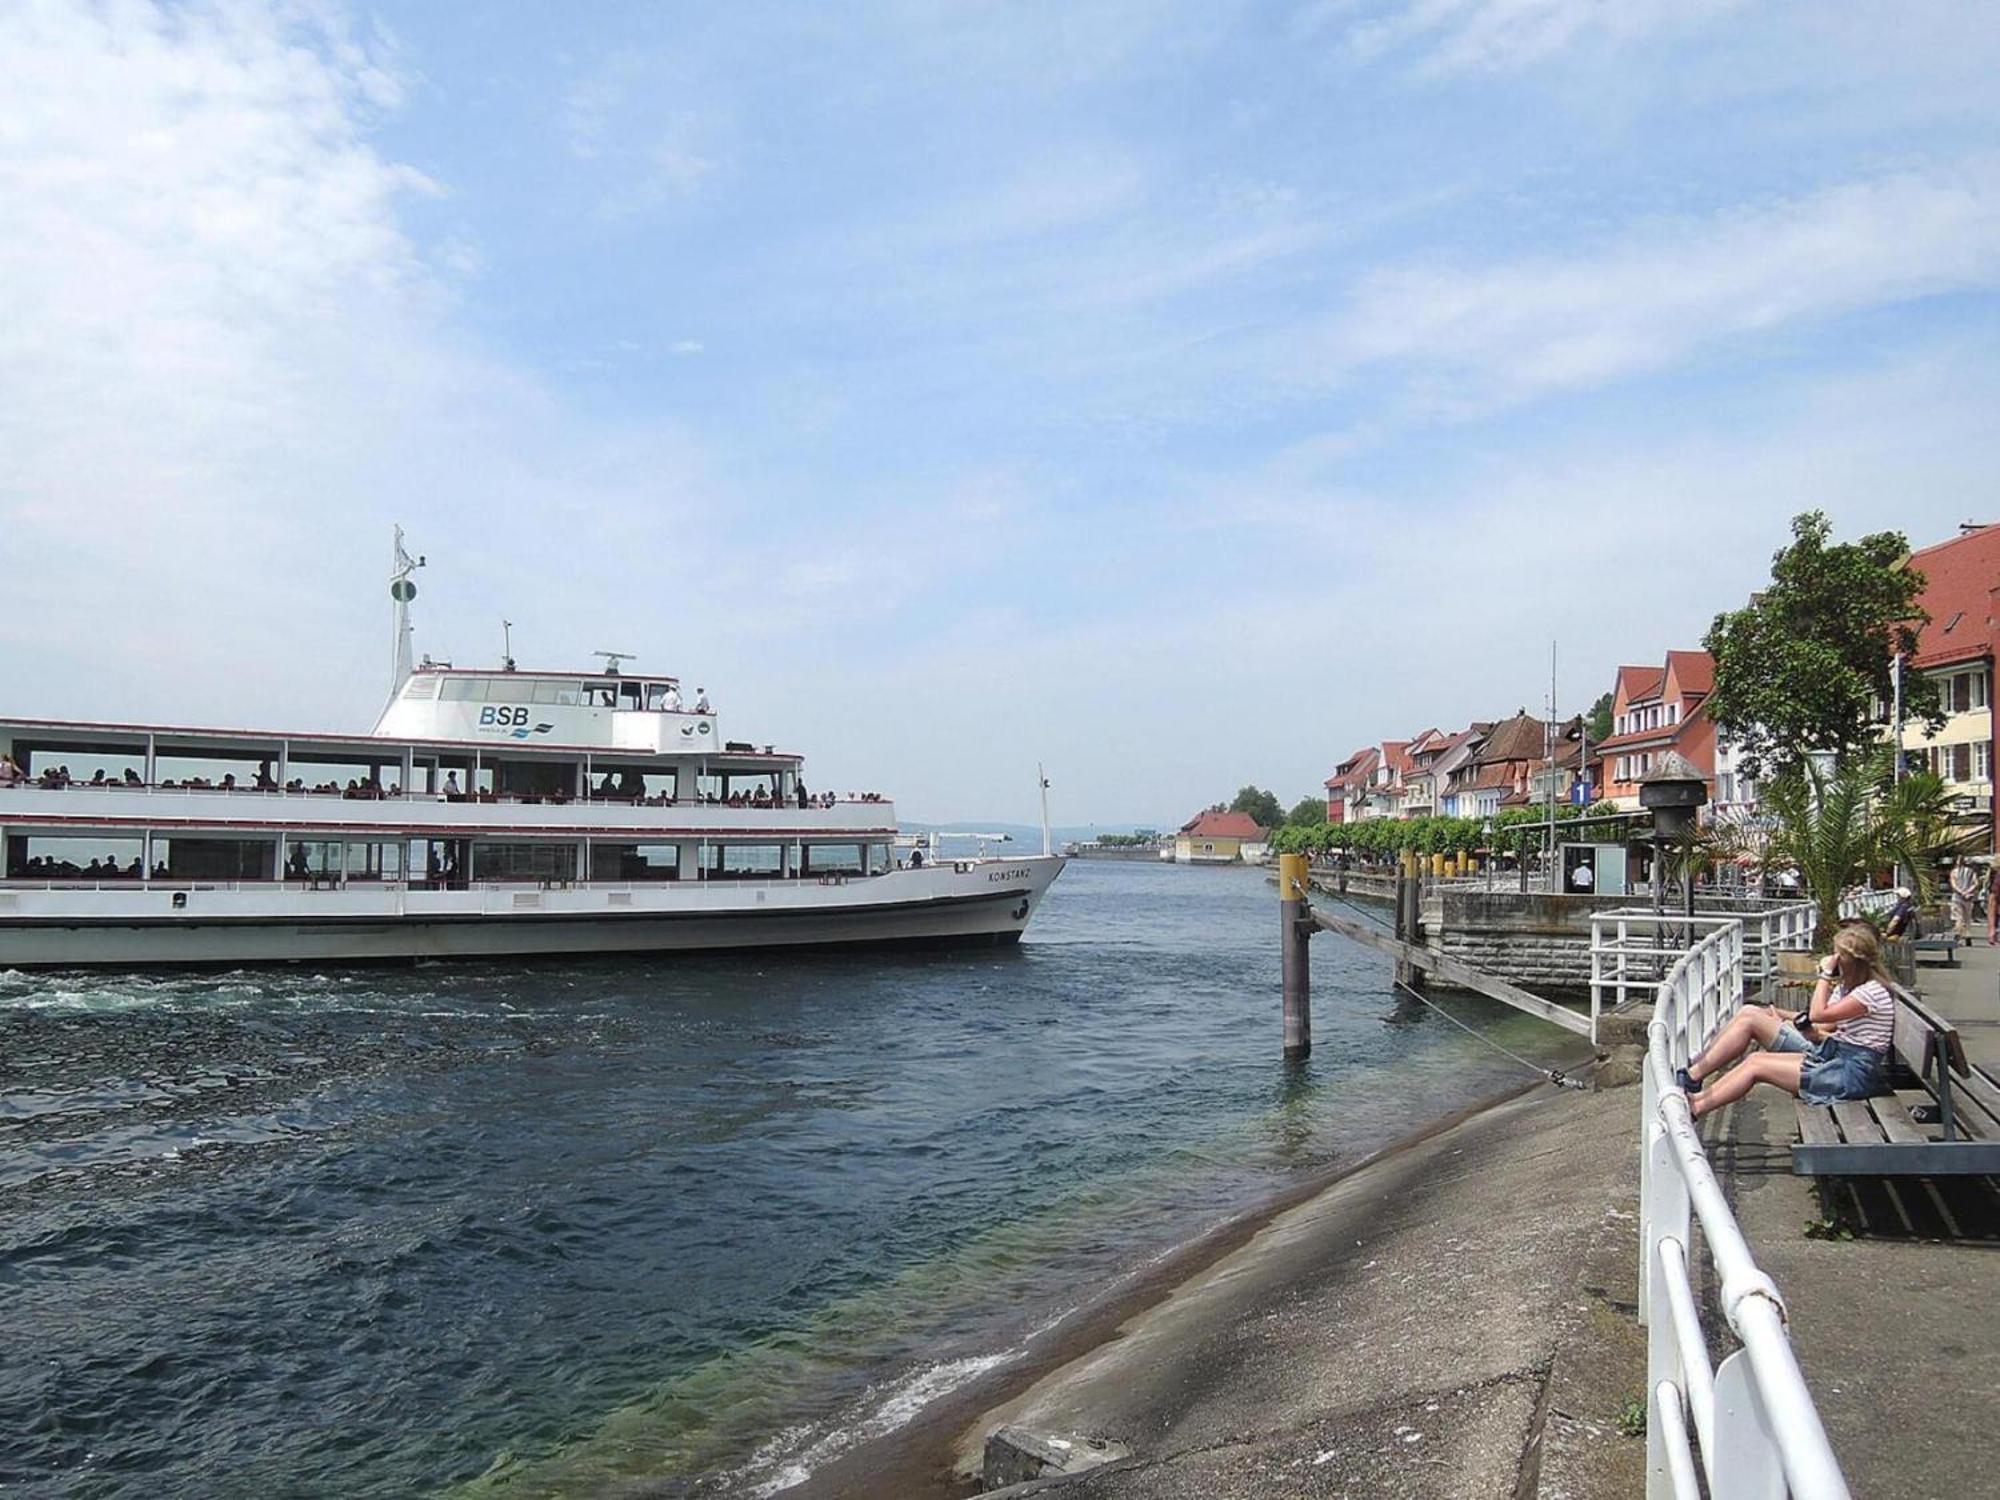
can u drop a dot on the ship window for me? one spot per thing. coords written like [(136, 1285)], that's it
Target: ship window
[(630, 694), (656, 697), (463, 690), (510, 689), (561, 693), (421, 687), (600, 695)]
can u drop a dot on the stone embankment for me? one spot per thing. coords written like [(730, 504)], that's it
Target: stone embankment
[(1454, 1320)]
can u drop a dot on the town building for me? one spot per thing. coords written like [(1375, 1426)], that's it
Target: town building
[(1496, 774), (1955, 651), (1347, 787), (1655, 710), (1219, 838), (1577, 772)]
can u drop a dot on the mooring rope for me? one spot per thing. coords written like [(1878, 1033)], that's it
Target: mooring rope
[(1555, 1076)]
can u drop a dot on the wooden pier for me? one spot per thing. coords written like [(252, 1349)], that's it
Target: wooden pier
[(1299, 919)]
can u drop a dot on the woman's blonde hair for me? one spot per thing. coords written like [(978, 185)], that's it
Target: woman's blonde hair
[(1857, 941)]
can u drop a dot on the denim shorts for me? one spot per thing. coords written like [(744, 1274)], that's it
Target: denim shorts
[(1834, 1069)]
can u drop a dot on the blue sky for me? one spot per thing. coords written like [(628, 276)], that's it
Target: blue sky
[(1177, 394)]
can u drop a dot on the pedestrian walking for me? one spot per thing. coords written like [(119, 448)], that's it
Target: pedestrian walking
[(1964, 891)]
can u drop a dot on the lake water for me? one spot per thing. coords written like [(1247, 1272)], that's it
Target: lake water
[(512, 1230)]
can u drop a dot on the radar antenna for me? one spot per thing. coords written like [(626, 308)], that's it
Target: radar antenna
[(402, 591), (612, 658)]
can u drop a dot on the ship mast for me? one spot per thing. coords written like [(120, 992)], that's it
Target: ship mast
[(402, 591)]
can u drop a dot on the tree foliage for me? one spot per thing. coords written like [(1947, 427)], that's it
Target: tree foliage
[(1598, 720), (1261, 805), (1837, 828), (1800, 668), (1384, 838), (1307, 811)]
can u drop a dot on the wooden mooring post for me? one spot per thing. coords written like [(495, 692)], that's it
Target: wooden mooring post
[(1296, 926)]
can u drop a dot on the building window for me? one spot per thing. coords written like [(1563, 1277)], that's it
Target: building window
[(1982, 761), (1961, 762), (1978, 681)]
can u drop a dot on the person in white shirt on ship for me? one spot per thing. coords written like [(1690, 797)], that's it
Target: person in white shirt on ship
[(701, 701), (1834, 1049)]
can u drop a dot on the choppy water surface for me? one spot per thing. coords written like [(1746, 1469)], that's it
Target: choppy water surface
[(518, 1230)]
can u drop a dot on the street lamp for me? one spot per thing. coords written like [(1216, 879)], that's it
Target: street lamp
[(1673, 791)]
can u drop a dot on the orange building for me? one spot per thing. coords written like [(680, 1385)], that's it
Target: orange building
[(1654, 710)]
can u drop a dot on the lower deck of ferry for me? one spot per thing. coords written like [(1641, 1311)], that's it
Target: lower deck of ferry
[(144, 926)]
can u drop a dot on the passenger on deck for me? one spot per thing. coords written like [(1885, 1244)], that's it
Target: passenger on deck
[(1834, 1049), (917, 858), (11, 773), (131, 777), (99, 778), (672, 701), (229, 781), (701, 701), (804, 795), (266, 782), (451, 784)]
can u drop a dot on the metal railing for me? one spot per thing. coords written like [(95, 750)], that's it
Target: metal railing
[(1632, 949), (1747, 1427)]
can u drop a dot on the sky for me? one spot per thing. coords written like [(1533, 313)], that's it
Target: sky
[(1176, 395)]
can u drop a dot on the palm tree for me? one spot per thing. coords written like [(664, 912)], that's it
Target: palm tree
[(1837, 828)]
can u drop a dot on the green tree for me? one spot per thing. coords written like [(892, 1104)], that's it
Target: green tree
[(1801, 667), (1261, 805), (1598, 720), (1307, 810)]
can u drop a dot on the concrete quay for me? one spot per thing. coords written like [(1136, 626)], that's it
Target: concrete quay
[(1454, 1320), (1457, 1319)]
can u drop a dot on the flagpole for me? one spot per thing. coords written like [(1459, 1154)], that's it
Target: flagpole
[(1043, 777)]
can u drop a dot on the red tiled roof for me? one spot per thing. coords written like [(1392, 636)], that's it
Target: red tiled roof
[(1396, 754), (1223, 825), (1959, 577), (1356, 769), (1693, 670), (1638, 683), (1522, 737)]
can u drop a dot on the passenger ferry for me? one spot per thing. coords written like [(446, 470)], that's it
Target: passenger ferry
[(489, 812)]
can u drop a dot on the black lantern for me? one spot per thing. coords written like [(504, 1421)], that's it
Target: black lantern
[(1673, 791)]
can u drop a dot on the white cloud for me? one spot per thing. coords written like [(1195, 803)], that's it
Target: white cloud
[(225, 367), (1472, 36), (1663, 293)]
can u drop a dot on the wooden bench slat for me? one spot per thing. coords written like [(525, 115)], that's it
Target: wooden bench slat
[(1980, 1091), (1892, 1113), (1816, 1125), (1857, 1125)]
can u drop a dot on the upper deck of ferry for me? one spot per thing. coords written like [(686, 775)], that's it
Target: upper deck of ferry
[(592, 711)]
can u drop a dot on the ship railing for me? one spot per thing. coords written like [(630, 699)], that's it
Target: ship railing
[(1749, 1425), (398, 794)]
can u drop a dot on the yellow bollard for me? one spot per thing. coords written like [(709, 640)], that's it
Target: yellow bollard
[(1294, 962)]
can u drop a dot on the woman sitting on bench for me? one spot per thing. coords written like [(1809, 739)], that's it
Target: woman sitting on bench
[(1833, 1049)]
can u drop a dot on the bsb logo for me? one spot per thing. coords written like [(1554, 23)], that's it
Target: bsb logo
[(496, 718)]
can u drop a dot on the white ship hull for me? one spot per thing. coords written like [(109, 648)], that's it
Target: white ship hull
[(67, 927)]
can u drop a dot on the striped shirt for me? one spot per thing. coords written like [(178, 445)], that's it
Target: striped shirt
[(1874, 1029)]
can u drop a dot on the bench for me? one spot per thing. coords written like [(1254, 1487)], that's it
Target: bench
[(1939, 942), (1882, 1137)]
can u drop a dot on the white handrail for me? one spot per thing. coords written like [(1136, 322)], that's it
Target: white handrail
[(1752, 1418)]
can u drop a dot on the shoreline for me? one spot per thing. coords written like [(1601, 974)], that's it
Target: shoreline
[(920, 1460)]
